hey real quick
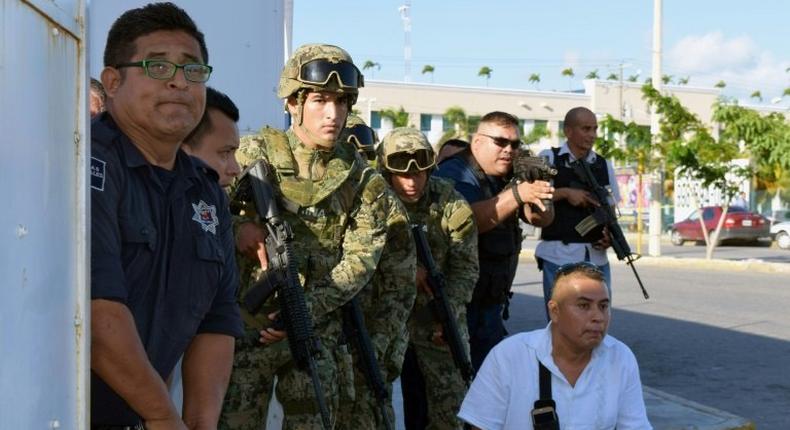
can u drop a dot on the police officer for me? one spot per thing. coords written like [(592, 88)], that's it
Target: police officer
[(482, 173), (163, 273), (429, 375), (334, 206)]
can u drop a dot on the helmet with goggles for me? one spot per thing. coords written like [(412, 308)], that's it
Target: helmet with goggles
[(320, 68), (406, 150), (362, 137)]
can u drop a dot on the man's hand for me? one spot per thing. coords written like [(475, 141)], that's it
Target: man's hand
[(580, 198), (422, 281), (251, 243), (270, 335), (173, 423), (604, 242), (535, 192)]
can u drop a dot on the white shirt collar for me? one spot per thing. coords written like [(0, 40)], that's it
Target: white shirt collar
[(542, 344), (564, 149)]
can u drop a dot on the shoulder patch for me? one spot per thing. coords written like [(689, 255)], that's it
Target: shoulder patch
[(461, 218), (375, 187), (98, 171)]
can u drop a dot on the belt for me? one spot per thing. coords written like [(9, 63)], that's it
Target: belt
[(105, 427)]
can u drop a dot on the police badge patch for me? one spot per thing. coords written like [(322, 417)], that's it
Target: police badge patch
[(97, 174), (206, 216)]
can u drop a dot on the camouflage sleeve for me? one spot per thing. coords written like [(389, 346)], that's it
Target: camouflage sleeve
[(394, 282), (461, 264), (362, 246)]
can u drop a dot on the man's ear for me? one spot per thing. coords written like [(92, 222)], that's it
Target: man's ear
[(111, 80), (554, 311), (290, 104)]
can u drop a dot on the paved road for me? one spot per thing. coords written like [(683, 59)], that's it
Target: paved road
[(766, 251), (714, 336)]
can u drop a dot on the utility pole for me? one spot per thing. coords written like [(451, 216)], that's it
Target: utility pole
[(404, 16), (654, 246)]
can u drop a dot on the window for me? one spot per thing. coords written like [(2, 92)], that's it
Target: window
[(707, 214), (425, 121), (375, 119)]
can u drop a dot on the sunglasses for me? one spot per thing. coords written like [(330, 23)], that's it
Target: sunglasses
[(581, 266), (319, 72), (401, 162), (503, 142)]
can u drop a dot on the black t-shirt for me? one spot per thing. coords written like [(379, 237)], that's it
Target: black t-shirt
[(163, 249)]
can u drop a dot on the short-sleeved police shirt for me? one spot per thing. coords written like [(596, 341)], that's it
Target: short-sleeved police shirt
[(162, 244)]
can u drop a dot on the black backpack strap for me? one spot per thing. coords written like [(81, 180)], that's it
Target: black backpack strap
[(545, 382), (544, 412)]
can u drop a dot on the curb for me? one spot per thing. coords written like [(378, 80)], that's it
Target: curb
[(670, 412), (751, 265)]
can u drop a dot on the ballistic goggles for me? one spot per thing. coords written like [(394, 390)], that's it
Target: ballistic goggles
[(362, 137), (401, 162), (319, 72)]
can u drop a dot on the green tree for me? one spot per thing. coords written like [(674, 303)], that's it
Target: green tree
[(456, 117), (370, 65), (786, 92), (757, 95), (614, 77), (535, 79), (399, 118), (633, 78), (569, 73), (485, 71), (691, 149), (539, 131), (428, 69), (666, 79), (684, 81), (720, 84), (592, 75)]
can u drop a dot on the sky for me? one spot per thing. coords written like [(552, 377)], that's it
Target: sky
[(744, 43)]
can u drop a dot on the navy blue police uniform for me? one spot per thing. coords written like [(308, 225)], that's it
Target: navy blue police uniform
[(162, 244)]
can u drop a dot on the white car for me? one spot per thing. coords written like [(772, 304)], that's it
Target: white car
[(781, 232)]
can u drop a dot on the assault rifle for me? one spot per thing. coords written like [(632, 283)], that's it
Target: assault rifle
[(605, 216), (282, 277), (441, 307), (529, 168), (357, 334)]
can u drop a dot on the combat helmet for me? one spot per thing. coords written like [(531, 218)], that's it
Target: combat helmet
[(361, 136), (320, 67), (404, 150)]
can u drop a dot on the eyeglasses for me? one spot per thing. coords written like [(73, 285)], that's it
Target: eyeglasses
[(163, 70), (401, 162), (580, 266), (502, 141), (320, 71)]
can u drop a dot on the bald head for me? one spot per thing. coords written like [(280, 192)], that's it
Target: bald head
[(574, 115)]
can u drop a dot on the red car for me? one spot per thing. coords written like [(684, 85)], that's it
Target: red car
[(739, 224)]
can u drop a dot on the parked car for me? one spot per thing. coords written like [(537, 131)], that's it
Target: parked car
[(739, 224), (781, 233)]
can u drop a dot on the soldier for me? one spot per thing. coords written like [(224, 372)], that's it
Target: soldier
[(406, 161), (386, 301), (335, 206)]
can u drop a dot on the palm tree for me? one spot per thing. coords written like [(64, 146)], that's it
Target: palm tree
[(399, 118), (786, 92), (535, 79), (757, 95), (569, 73), (371, 65), (485, 71), (720, 84), (456, 116), (633, 78), (666, 79), (592, 75), (614, 77), (428, 69), (684, 81)]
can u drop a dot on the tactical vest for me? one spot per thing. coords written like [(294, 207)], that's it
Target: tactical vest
[(498, 248), (567, 216)]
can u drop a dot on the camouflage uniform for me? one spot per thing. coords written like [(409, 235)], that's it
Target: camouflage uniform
[(317, 190), (452, 236), (386, 303)]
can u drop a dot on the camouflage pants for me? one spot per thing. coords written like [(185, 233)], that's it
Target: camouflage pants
[(252, 380), (363, 411), (444, 387)]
